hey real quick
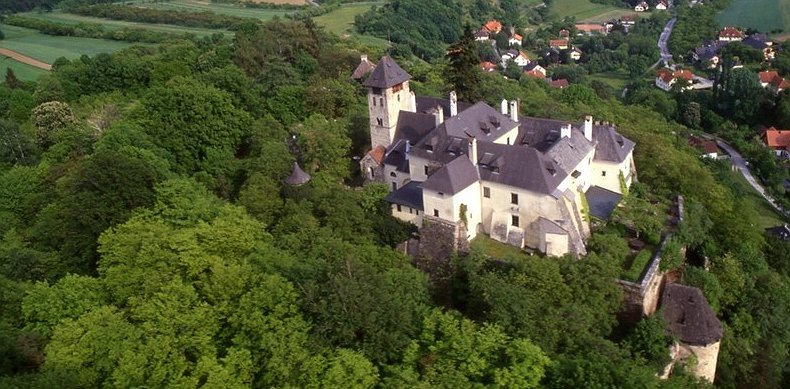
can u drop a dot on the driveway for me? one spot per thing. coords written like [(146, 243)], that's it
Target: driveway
[(739, 163)]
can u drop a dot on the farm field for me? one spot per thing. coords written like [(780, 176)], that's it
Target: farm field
[(763, 15), (341, 22), (108, 24), (22, 71), (217, 8), (585, 10), (48, 48), (615, 79)]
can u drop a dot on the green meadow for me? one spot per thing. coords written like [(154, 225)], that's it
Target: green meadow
[(584, 10), (763, 15), (48, 48), (22, 71), (217, 8)]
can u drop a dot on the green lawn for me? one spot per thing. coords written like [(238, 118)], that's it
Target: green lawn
[(218, 8), (61, 17), (766, 214), (22, 71), (341, 22), (495, 249), (48, 48), (763, 15), (615, 79), (584, 10)]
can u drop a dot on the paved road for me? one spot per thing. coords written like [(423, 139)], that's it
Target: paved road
[(666, 56), (739, 163)]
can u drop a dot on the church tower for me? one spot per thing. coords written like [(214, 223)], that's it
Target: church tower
[(388, 94)]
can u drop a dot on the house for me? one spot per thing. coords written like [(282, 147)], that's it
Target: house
[(559, 84), (780, 232), (521, 59), (575, 54), (730, 34), (559, 44), (772, 81), (708, 147), (564, 33), (642, 7), (515, 40), (695, 328), (534, 69), (778, 141), (363, 69), (508, 55), (482, 35), (493, 26), (708, 53), (479, 169), (661, 5), (488, 67), (591, 29), (628, 20), (666, 78), (760, 42)]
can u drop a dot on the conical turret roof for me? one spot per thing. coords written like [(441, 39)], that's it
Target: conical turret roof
[(386, 74), (297, 177)]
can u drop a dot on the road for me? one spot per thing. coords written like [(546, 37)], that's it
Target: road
[(739, 163), (25, 59), (666, 56)]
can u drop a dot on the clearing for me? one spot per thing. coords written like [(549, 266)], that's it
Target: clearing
[(21, 71), (218, 8), (584, 10), (65, 18), (764, 15), (341, 22)]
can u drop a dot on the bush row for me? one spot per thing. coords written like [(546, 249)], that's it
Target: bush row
[(94, 30)]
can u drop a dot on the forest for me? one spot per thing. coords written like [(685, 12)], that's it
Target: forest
[(148, 238)]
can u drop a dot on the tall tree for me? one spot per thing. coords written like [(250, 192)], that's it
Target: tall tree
[(464, 72)]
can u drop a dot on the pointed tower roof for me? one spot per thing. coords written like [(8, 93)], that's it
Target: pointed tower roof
[(387, 74), (297, 177)]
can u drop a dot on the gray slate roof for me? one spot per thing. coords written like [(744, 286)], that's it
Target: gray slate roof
[(689, 316), (425, 104), (396, 156), (362, 69), (298, 176), (409, 195), (611, 146), (602, 201), (549, 227), (413, 126), (453, 177), (569, 152), (520, 167), (481, 121), (386, 74), (539, 133)]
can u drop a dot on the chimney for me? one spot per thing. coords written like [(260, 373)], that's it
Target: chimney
[(439, 115), (514, 110), (473, 150), (453, 104), (504, 107), (565, 130), (413, 102), (588, 123), (363, 58)]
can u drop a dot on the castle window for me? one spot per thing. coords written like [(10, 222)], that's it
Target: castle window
[(508, 140), (374, 101), (426, 169), (418, 212), (392, 174), (603, 173), (436, 212), (486, 192), (398, 207), (381, 101), (394, 186), (377, 91), (514, 198), (398, 97), (514, 220), (379, 121), (397, 88)]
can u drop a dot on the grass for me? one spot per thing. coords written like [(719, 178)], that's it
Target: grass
[(48, 48), (584, 10), (615, 79), (341, 22), (108, 24), (766, 214), (217, 8), (634, 266), (22, 71), (495, 249), (763, 15)]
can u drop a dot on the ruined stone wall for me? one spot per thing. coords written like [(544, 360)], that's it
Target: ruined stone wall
[(707, 358)]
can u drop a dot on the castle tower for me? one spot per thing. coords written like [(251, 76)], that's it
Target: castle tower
[(388, 94)]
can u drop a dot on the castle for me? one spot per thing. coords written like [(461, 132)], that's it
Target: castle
[(524, 181)]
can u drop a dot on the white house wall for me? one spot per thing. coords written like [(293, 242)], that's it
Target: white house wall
[(449, 206), (392, 175), (407, 214), (611, 180)]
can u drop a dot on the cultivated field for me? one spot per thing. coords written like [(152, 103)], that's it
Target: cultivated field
[(584, 10), (763, 15), (218, 8), (22, 71), (109, 24), (48, 48), (341, 22)]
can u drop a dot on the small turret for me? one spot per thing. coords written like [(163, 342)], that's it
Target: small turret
[(298, 176)]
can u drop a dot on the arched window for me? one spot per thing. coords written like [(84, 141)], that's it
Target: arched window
[(392, 174)]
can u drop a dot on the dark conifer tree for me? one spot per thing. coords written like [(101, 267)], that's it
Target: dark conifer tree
[(465, 74), (10, 79)]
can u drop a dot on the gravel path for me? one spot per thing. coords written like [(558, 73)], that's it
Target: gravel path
[(25, 59)]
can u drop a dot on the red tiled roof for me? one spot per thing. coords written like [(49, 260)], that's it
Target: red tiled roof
[(707, 146), (534, 73), (378, 153), (517, 37), (564, 33), (768, 76), (558, 42), (587, 27), (665, 75), (560, 84), (493, 25), (627, 18), (487, 66), (730, 32), (684, 74), (776, 138)]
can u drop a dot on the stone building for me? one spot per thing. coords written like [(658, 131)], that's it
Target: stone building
[(519, 180), (697, 330)]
